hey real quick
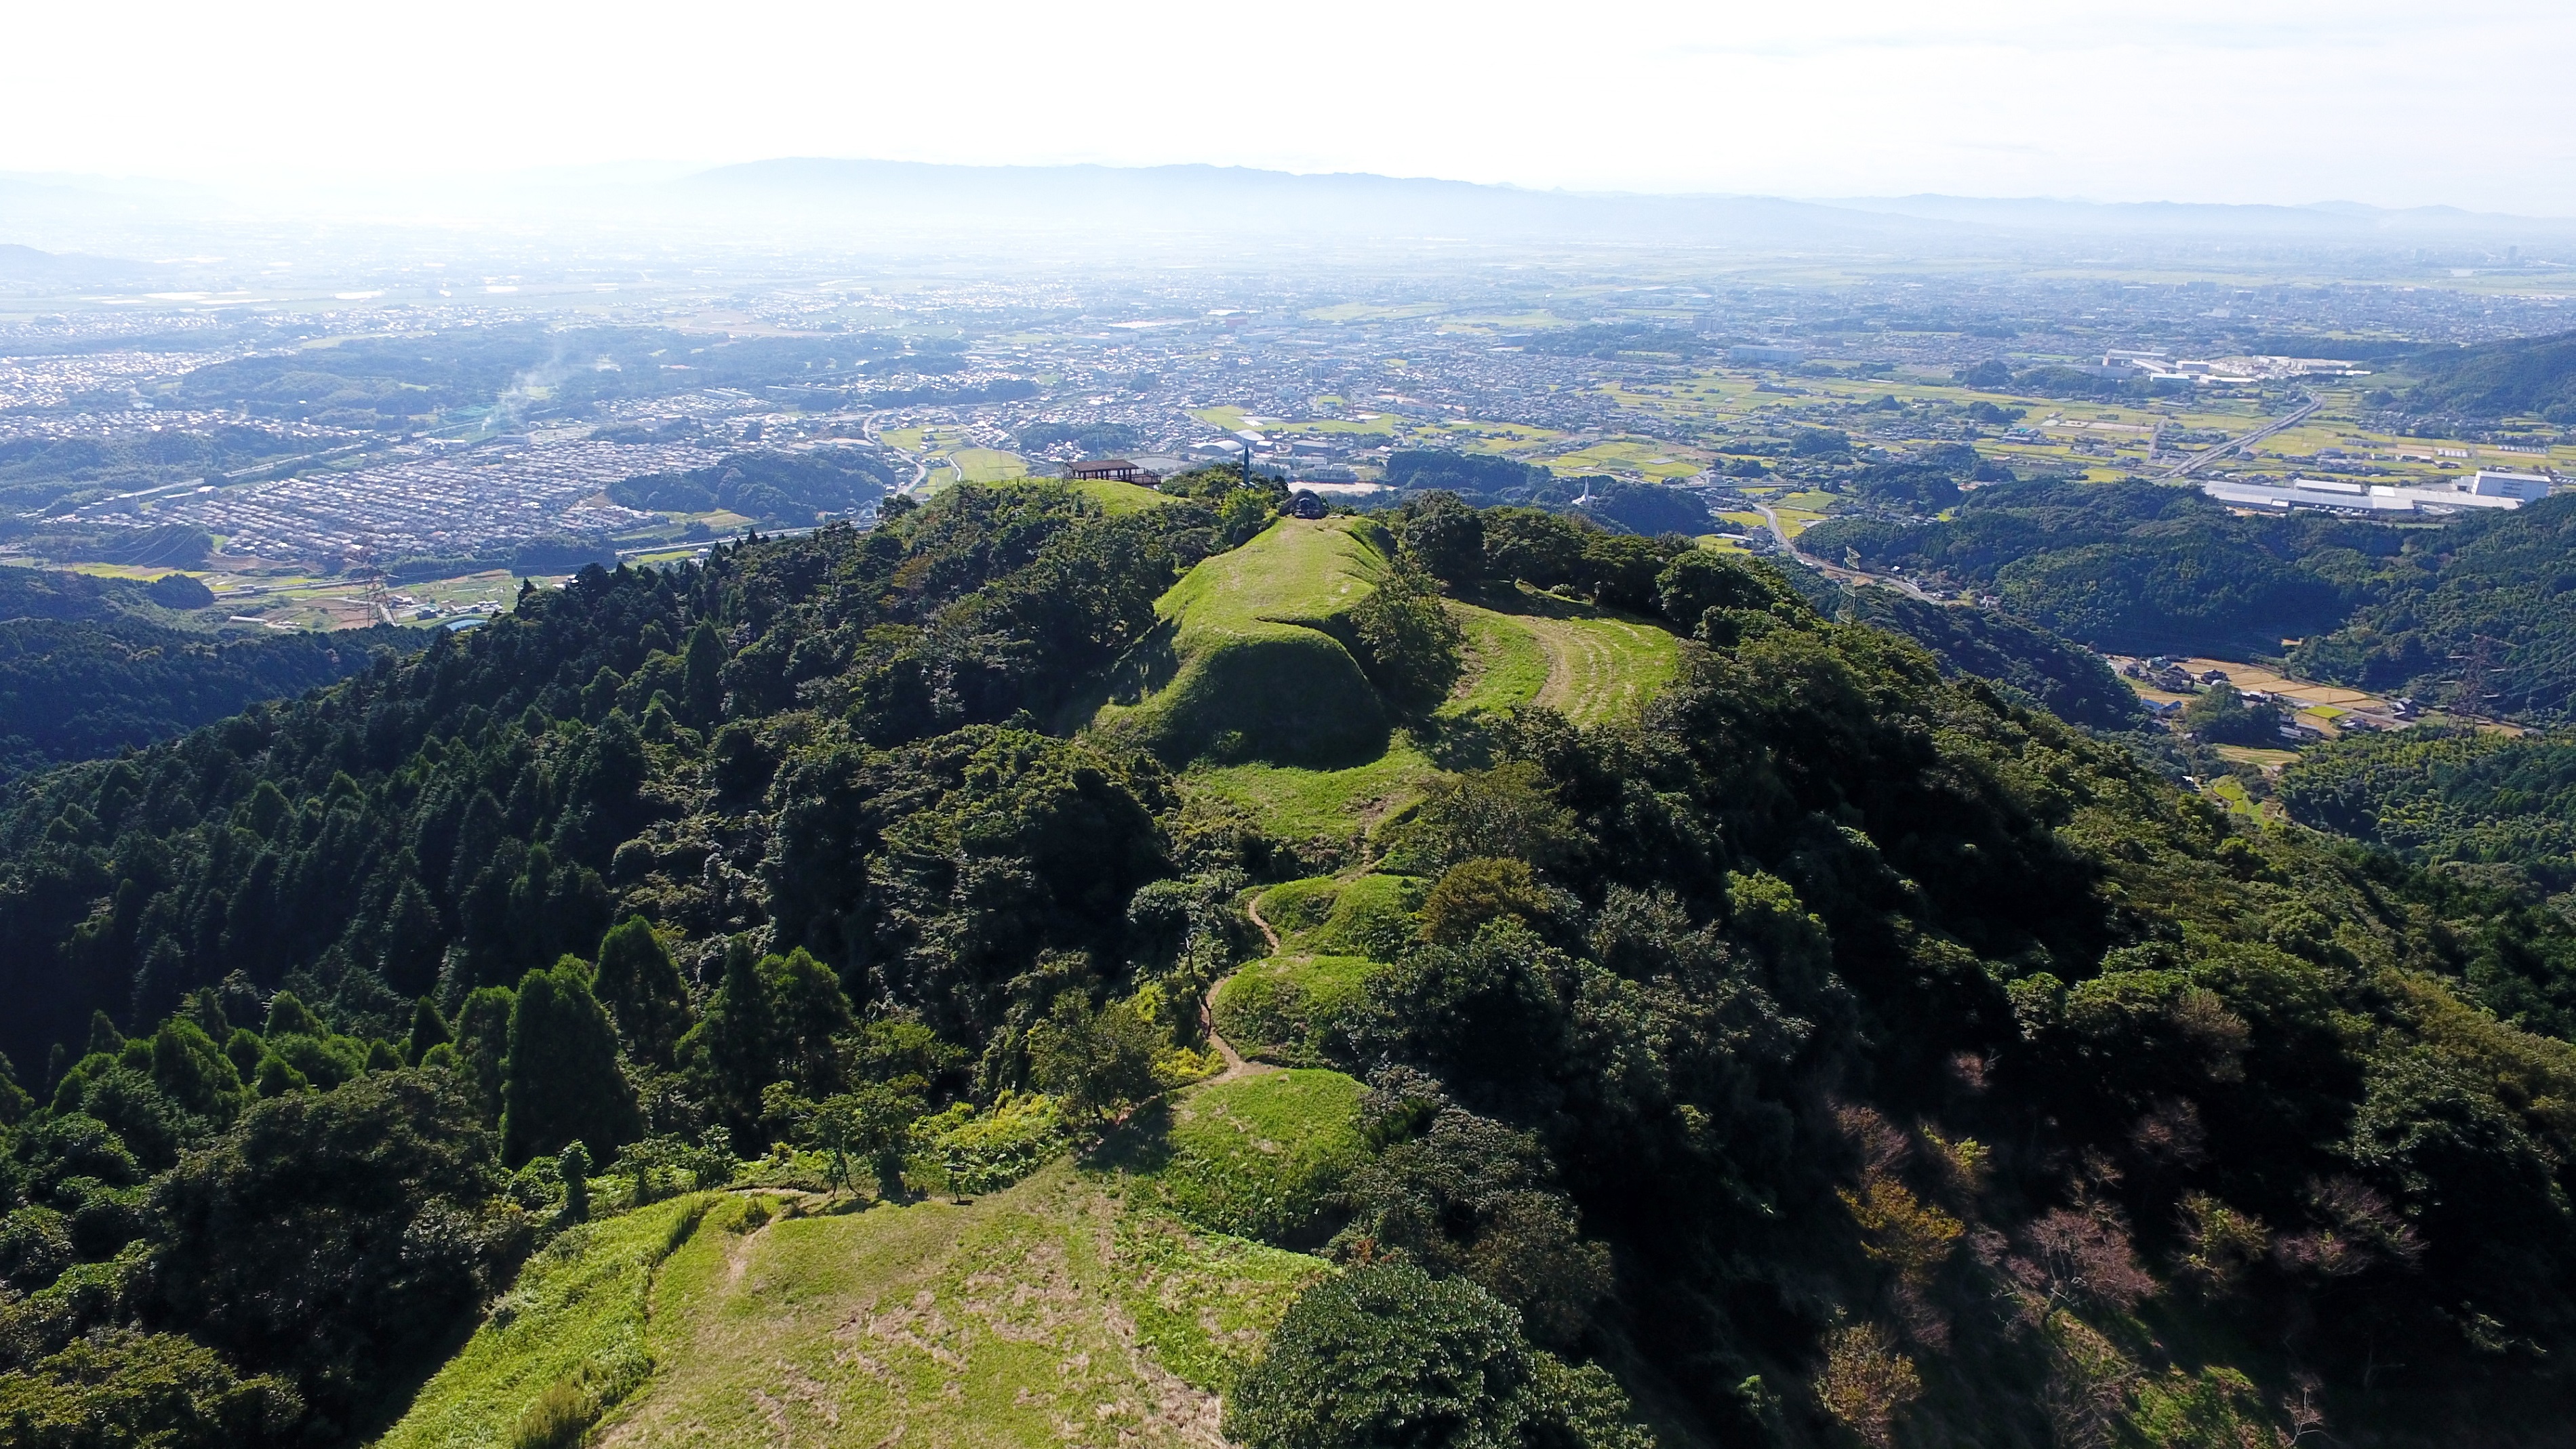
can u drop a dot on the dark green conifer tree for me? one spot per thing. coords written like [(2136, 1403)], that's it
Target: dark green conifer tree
[(288, 1015), (15, 1104), (415, 943), (427, 1031), (573, 1165), (642, 990), (808, 1010), (562, 1082), (483, 1044), (731, 1051), (192, 1071), (206, 1009), (701, 676), (276, 1078), (244, 1049)]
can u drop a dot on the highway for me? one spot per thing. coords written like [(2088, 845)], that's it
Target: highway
[(2207, 456)]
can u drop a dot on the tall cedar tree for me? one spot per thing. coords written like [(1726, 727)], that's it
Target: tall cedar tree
[(427, 1030), (773, 1019), (727, 1052), (562, 1084), (483, 1044), (642, 991)]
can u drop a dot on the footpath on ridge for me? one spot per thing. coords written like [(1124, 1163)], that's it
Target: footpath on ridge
[(1235, 1063)]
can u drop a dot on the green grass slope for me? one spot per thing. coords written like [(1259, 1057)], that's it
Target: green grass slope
[(1305, 804), (570, 1336), (1507, 665), (1592, 665), (1249, 661), (1068, 1310), (1522, 648), (1291, 1009), (1117, 498), (1367, 915), (1258, 1156), (1103, 1306)]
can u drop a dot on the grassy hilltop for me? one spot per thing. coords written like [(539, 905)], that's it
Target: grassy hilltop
[(1254, 677), (1251, 657), (1104, 1306)]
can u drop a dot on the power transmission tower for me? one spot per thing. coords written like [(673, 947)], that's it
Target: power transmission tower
[(380, 600), (2471, 692)]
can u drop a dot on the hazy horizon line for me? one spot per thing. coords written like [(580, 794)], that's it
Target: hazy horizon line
[(646, 172)]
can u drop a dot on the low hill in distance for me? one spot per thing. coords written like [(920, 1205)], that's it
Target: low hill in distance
[(90, 666), (2522, 377), (2470, 608), (2477, 614)]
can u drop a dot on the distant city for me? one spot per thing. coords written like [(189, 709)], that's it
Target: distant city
[(262, 434)]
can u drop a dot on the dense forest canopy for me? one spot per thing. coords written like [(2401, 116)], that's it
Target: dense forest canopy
[(1094, 439), (2472, 613), (1488, 481), (2448, 794), (2480, 614), (1469, 475), (2136, 566), (82, 690), (1830, 1048), (2032, 665)]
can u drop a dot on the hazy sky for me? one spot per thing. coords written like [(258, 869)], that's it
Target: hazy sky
[(2398, 102)]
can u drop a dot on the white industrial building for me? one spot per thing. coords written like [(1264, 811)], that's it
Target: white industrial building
[(2522, 487), (2484, 489)]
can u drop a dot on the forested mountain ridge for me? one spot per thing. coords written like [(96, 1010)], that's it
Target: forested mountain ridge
[(1832, 1050), (2493, 817), (2477, 606), (2040, 669), (2480, 614), (2497, 379), (2143, 567)]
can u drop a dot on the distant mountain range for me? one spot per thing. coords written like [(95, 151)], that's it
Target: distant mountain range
[(1232, 198), (860, 203), (21, 265), (2327, 219), (1342, 201)]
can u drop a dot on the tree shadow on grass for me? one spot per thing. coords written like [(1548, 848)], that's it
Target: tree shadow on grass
[(1529, 602), (1140, 1145), (1146, 667)]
